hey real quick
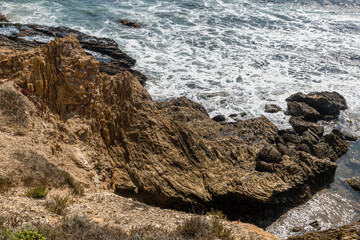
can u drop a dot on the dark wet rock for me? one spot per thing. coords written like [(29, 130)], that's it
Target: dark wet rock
[(297, 229), (328, 117), (348, 232), (323, 150), (300, 126), (291, 137), (303, 147), (3, 18), (243, 114), (354, 183), (272, 108), (310, 137), (285, 150), (351, 138), (336, 140), (284, 131), (129, 23), (297, 97), (303, 109), (315, 224), (116, 60), (219, 118), (327, 103), (269, 154), (263, 166)]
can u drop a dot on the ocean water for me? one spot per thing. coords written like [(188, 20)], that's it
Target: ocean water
[(236, 56)]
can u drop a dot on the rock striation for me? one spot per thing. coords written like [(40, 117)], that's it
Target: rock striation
[(169, 154)]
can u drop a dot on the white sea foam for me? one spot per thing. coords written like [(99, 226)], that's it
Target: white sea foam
[(329, 209), (9, 31), (38, 38)]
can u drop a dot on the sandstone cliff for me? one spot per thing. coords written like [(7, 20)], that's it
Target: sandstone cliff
[(107, 132)]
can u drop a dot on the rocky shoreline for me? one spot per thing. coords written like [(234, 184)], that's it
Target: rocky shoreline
[(95, 120)]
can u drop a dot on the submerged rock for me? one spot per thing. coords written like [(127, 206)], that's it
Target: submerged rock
[(354, 183), (219, 118), (272, 108), (129, 23), (315, 224)]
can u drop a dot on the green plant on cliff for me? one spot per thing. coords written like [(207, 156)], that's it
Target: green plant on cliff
[(37, 192), (58, 204), (201, 228), (21, 235), (70, 181), (217, 213)]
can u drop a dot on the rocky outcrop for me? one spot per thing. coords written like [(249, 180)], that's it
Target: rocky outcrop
[(111, 59), (351, 231), (327, 103), (303, 109), (316, 105), (168, 154), (300, 126)]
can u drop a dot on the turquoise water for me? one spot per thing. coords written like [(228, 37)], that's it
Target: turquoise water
[(235, 56)]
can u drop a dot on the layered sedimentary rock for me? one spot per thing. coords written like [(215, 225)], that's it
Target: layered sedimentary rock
[(172, 154)]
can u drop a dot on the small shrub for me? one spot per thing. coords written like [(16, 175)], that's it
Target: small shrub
[(37, 192), (149, 232), (201, 228), (219, 230), (217, 213), (58, 205), (70, 181), (77, 223), (5, 184), (2, 222), (28, 180), (21, 235), (193, 227), (31, 181), (27, 235)]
